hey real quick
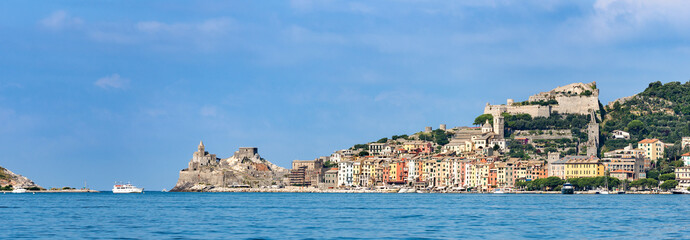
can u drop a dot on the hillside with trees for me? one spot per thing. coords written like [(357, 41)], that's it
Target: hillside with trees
[(661, 111)]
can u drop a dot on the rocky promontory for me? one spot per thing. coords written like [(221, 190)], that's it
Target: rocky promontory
[(245, 168), (7, 178)]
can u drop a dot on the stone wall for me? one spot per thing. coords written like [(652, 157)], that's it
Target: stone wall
[(576, 104), (570, 101), (533, 110)]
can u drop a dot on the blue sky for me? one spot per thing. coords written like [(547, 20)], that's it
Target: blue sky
[(104, 91)]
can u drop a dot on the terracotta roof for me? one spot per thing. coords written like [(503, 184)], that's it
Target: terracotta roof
[(686, 154), (649, 140)]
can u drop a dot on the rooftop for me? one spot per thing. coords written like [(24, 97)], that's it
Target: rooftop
[(653, 140)]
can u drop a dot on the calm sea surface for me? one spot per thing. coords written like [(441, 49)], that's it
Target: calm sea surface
[(156, 215)]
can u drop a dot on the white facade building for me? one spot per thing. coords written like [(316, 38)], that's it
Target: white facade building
[(683, 177), (618, 134), (345, 171)]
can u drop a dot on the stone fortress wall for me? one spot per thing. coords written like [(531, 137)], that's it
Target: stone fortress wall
[(570, 100), (533, 110)]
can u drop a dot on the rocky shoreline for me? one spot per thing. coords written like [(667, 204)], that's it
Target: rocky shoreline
[(59, 191)]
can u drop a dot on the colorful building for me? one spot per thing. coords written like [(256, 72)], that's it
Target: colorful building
[(653, 148), (583, 166)]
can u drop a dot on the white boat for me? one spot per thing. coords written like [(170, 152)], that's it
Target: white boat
[(499, 191), (126, 188), (19, 190)]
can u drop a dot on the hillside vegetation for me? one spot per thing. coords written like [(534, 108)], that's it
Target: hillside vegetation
[(661, 111)]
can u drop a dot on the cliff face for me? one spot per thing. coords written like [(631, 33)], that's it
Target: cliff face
[(7, 177), (244, 169)]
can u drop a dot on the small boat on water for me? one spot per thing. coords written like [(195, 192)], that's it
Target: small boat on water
[(126, 188), (19, 190), (680, 191), (499, 191), (567, 188)]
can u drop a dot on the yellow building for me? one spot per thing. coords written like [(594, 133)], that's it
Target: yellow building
[(366, 173), (356, 171), (583, 166), (504, 174), (653, 148), (392, 171)]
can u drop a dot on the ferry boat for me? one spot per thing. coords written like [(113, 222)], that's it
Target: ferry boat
[(19, 190), (126, 188), (567, 188)]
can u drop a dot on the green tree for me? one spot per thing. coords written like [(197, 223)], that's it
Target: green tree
[(669, 184), (361, 146), (363, 153), (404, 136), (482, 119), (553, 182), (667, 176), (382, 140), (677, 163), (653, 174), (330, 164), (652, 183)]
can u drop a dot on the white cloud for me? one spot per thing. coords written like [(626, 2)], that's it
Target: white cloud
[(59, 20), (208, 27), (332, 5), (209, 111), (306, 5), (620, 19), (303, 35), (113, 37), (112, 81)]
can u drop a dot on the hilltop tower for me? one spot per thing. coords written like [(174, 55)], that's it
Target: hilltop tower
[(201, 158), (499, 125), (201, 147)]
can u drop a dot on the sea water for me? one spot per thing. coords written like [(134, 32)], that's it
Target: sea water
[(156, 215)]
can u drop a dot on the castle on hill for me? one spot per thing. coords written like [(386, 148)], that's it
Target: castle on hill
[(576, 98), (245, 168)]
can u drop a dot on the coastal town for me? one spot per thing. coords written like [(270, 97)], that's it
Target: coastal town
[(555, 137), (565, 136)]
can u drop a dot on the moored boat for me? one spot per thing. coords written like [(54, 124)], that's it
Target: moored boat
[(19, 190), (567, 188), (126, 188), (680, 191)]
